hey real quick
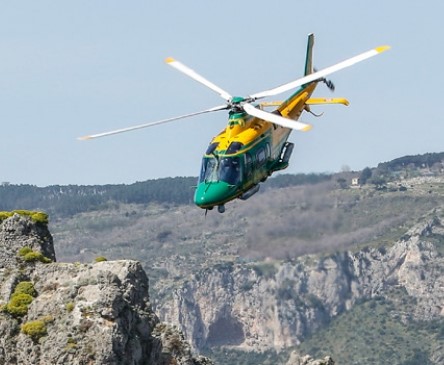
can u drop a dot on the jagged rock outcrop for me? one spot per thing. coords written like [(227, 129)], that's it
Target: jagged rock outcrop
[(297, 359), (59, 313), (17, 232), (275, 305)]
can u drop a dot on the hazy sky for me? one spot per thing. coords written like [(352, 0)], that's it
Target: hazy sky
[(70, 68)]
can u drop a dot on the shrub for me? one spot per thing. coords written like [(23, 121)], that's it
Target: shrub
[(5, 215), (25, 287), (18, 304), (100, 259), (265, 269), (34, 329), (69, 306), (37, 217), (40, 217), (34, 256), (24, 250)]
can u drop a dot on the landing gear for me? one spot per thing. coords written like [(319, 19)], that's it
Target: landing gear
[(250, 192), (221, 208)]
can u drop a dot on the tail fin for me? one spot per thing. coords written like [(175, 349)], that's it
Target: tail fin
[(308, 60)]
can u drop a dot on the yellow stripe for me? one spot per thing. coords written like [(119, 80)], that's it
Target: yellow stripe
[(381, 49)]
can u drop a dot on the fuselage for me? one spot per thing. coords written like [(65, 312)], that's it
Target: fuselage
[(246, 152)]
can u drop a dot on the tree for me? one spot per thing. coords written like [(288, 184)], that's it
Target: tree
[(365, 175)]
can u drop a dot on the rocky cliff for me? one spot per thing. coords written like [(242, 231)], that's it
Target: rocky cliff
[(274, 304), (56, 313)]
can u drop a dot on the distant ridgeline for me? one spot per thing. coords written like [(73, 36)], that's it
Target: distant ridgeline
[(427, 160), (72, 199)]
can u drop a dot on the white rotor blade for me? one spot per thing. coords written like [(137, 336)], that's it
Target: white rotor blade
[(320, 74), (276, 119), (194, 75), (146, 125)]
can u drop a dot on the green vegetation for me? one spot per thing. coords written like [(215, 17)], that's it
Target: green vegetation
[(36, 256), (38, 217), (100, 259), (376, 332), (25, 287), (427, 160), (18, 304), (63, 201), (24, 250), (28, 255), (69, 200), (69, 306), (228, 356), (266, 270), (35, 329), (20, 299)]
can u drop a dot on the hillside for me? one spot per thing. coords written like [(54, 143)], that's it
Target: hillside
[(181, 246), (296, 225), (258, 250)]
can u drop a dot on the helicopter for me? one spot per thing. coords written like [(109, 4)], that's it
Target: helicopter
[(254, 144)]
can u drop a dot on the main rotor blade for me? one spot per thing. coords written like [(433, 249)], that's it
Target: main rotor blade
[(146, 125), (194, 75), (320, 74), (276, 119)]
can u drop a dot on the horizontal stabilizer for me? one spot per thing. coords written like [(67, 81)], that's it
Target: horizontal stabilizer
[(320, 101)]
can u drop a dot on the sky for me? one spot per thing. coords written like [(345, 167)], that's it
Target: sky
[(71, 68)]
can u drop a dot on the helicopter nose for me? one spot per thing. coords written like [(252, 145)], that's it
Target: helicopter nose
[(209, 194)]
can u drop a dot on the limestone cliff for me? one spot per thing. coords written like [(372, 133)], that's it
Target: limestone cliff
[(255, 306), (55, 313)]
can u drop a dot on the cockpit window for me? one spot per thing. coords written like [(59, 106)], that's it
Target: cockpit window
[(234, 147), (229, 170), (208, 171), (225, 169), (211, 148)]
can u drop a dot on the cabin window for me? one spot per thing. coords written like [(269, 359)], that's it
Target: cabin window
[(262, 154), (248, 164)]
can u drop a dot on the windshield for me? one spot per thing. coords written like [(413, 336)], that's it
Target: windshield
[(208, 171), (226, 169)]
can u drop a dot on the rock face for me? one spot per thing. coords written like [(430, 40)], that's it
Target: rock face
[(275, 305), (76, 313), (17, 232)]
